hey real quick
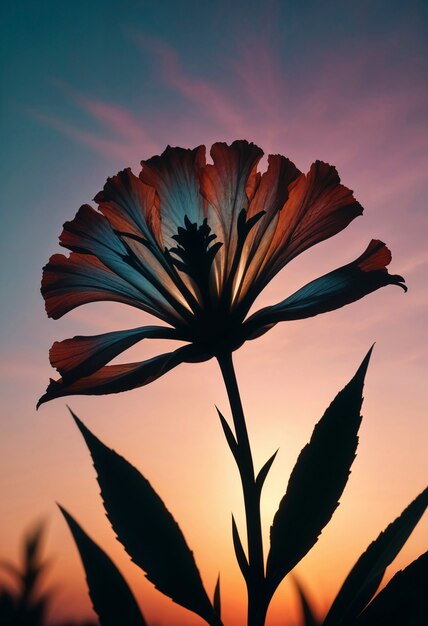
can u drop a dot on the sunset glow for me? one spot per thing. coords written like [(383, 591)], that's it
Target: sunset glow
[(100, 88)]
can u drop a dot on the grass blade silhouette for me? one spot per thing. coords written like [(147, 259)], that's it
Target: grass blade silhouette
[(230, 437), (403, 601), (309, 617), (33, 565), (147, 530), (217, 598), (366, 575), (112, 599), (239, 551), (317, 481), (262, 475)]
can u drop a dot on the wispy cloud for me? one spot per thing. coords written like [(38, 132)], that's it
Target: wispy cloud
[(104, 146), (212, 101), (115, 131), (350, 109)]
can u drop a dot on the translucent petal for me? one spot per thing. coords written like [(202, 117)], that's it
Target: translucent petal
[(331, 291)]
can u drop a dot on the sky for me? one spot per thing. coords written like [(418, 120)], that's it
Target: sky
[(89, 88)]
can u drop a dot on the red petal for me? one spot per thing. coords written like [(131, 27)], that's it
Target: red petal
[(80, 356), (318, 207), (130, 206), (117, 378), (69, 282), (225, 185)]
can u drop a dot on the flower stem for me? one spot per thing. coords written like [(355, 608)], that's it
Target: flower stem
[(257, 599)]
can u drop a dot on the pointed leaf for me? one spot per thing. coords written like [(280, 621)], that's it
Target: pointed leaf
[(366, 575), (111, 597), (317, 481), (217, 599), (230, 437), (403, 600), (309, 617), (33, 566), (147, 529), (261, 476), (239, 551), (33, 542)]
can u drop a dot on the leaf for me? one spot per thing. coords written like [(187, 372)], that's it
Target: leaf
[(366, 575), (317, 481), (33, 567), (147, 529), (403, 600), (217, 598), (230, 438), (309, 618), (32, 544), (239, 551), (111, 597), (261, 476)]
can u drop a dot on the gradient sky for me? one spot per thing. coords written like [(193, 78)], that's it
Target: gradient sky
[(91, 87)]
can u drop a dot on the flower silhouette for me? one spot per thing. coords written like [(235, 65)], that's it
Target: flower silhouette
[(194, 244)]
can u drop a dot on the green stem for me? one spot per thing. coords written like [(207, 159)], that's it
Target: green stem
[(257, 601)]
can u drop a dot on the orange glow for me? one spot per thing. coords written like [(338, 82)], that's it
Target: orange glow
[(155, 431)]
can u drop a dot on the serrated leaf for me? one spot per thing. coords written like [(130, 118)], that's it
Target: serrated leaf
[(317, 481), (366, 575), (403, 601), (112, 599), (147, 530), (308, 614)]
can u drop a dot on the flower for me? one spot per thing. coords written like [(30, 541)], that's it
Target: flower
[(194, 244)]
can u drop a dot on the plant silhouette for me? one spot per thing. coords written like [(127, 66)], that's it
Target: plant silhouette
[(155, 543), (26, 604), (194, 244)]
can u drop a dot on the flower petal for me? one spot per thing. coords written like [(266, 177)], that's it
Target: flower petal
[(81, 356), (269, 198), (318, 207), (175, 177), (331, 291), (117, 378), (69, 282), (273, 189), (131, 209), (77, 279), (130, 206), (90, 232), (227, 186)]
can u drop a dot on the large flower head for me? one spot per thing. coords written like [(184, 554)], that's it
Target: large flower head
[(194, 244)]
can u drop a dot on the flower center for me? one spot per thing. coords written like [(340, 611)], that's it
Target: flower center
[(194, 256)]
